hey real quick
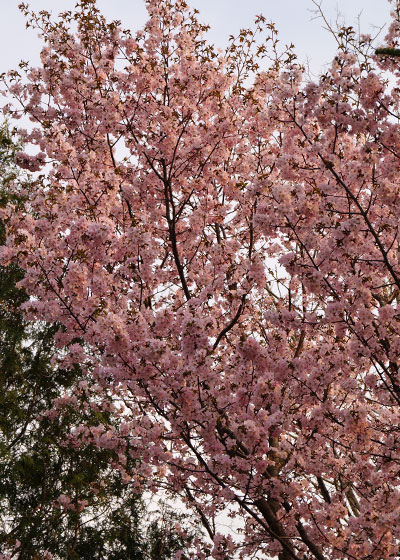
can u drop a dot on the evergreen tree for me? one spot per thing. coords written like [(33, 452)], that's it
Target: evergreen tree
[(102, 518)]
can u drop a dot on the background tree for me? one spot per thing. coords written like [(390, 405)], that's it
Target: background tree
[(59, 501), (219, 241)]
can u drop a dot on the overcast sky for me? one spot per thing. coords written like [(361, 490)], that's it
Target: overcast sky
[(294, 19)]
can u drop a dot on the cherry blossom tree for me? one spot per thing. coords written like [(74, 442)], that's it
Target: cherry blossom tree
[(220, 240)]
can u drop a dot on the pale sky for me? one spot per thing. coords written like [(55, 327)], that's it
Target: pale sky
[(294, 19)]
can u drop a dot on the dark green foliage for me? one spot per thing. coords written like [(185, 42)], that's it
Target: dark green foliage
[(163, 540), (36, 465), (388, 52)]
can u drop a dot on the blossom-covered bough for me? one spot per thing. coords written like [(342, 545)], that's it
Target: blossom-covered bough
[(219, 240)]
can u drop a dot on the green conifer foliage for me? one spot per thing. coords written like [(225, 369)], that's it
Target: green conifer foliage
[(38, 468)]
